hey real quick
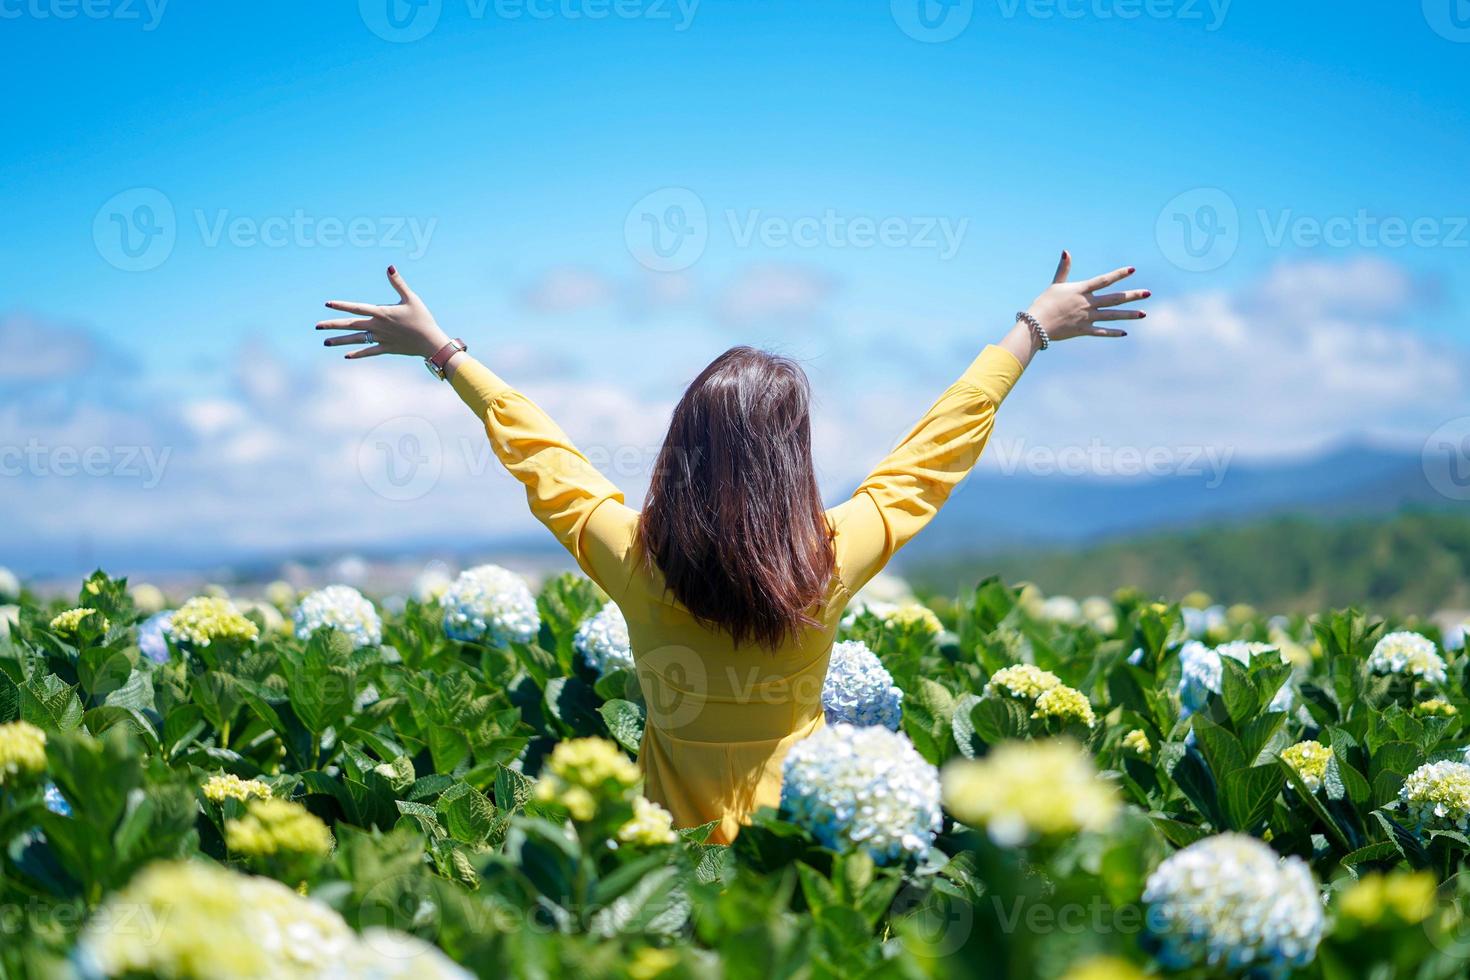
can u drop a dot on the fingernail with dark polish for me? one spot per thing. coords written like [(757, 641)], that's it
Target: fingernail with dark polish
[(1147, 293), (392, 271), (1142, 315), (1131, 270)]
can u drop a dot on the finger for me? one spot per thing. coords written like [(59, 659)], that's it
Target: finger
[(1107, 332), (351, 323), (1118, 315), (363, 337), (395, 279), (361, 309), (373, 351), (1098, 282), (1064, 267), (1118, 299)]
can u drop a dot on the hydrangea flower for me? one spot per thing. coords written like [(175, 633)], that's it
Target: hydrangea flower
[(55, 801), (432, 582), (1104, 968), (651, 825), (9, 617), (1099, 614), (1229, 903), (1409, 653), (585, 775), (204, 620), (1435, 707), (490, 604), (22, 751), (1023, 681), (859, 690), (151, 637), (1136, 741), (1437, 796), (228, 786), (340, 607), (9, 584), (197, 919), (863, 788), (1309, 759), (272, 827), (148, 599), (1201, 670), (1200, 623), (1408, 896), (603, 642), (1065, 705), (1021, 791), (1062, 609), (69, 623), (913, 615)]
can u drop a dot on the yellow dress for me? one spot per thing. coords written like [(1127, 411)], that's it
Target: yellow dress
[(721, 717)]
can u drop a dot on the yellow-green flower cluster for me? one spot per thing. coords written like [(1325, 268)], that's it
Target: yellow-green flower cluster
[(22, 750), (210, 619), (1137, 742), (1024, 681), (190, 920), (1309, 759), (1407, 896), (273, 827), (1437, 795), (1025, 790), (228, 786), (914, 615), (1066, 705), (651, 825), (1103, 968), (1435, 707), (70, 622), (583, 774), (650, 962)]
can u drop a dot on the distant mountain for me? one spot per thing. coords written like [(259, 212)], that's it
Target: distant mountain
[(992, 512)]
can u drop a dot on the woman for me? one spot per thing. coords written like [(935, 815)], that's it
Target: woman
[(733, 577)]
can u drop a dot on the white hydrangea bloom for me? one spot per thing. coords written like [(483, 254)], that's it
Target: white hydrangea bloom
[(1409, 653), (1201, 669), (863, 788), (1199, 622), (490, 604), (9, 584), (432, 582), (1437, 795), (1229, 902), (343, 608), (859, 690), (1062, 609), (151, 637), (1100, 614), (603, 641)]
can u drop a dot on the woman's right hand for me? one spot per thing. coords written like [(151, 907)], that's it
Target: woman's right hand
[(1073, 309)]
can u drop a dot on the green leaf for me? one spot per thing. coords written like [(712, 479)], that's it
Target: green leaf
[(468, 815), (1242, 700), (1249, 794), (1221, 749), (624, 721)]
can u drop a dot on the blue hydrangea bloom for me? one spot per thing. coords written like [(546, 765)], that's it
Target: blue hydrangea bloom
[(55, 802), (490, 604), (343, 608), (1200, 673), (603, 642), (863, 788), (859, 690), (151, 641)]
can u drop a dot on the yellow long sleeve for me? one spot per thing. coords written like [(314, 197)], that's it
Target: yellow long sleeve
[(564, 489), (906, 490)]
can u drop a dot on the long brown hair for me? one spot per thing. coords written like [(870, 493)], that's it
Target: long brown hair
[(734, 519)]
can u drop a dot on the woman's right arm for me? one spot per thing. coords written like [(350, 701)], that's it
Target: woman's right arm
[(904, 492)]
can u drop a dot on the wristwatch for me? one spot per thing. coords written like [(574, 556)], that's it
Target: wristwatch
[(440, 360)]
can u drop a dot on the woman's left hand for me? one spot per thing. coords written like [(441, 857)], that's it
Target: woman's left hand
[(407, 328)]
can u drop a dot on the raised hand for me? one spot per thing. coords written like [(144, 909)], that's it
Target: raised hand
[(405, 328), (1073, 309)]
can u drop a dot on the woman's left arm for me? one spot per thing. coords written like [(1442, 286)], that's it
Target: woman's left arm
[(564, 489)]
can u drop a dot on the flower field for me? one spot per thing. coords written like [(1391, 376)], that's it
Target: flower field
[(332, 785)]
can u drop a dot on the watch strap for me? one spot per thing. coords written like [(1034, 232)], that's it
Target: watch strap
[(440, 360)]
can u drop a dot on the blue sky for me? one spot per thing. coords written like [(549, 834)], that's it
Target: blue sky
[(524, 143)]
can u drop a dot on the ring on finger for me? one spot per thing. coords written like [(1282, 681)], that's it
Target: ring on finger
[(367, 337)]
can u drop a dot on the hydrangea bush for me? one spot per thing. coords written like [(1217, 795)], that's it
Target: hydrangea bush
[(440, 786)]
